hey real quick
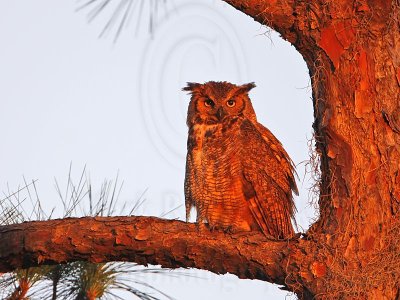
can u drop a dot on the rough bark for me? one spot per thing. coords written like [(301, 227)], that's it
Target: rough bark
[(144, 240), (352, 50)]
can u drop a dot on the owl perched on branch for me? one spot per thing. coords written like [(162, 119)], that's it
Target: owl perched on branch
[(238, 176)]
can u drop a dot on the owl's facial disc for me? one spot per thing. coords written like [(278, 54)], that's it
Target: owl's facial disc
[(221, 113)]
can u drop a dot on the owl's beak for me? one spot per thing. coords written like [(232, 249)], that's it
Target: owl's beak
[(220, 113)]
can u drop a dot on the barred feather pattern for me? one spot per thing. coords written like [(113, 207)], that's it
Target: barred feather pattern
[(238, 176)]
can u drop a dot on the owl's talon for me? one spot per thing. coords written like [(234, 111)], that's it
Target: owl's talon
[(201, 227), (297, 236), (229, 230), (213, 228)]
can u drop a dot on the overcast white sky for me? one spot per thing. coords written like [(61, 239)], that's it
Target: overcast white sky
[(67, 96)]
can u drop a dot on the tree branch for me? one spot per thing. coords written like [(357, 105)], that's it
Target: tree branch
[(278, 14), (144, 240), (299, 22)]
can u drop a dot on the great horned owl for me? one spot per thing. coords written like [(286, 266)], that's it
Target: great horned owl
[(238, 176)]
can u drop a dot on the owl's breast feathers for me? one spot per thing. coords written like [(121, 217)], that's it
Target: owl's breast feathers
[(239, 177)]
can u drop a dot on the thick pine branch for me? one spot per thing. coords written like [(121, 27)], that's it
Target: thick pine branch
[(278, 14), (144, 240)]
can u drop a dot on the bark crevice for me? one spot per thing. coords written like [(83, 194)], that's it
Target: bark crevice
[(144, 240)]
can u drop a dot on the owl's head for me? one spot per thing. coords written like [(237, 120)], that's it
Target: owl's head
[(214, 102)]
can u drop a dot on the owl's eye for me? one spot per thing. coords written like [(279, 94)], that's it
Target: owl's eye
[(231, 103), (208, 102)]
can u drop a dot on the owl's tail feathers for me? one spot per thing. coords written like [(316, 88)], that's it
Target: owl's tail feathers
[(188, 206), (293, 186), (292, 175), (291, 208)]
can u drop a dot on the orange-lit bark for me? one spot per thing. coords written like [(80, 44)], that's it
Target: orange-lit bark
[(352, 49), (145, 240)]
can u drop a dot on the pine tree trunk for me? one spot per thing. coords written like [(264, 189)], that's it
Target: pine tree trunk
[(352, 49)]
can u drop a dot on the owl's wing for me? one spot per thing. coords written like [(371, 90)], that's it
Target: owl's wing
[(281, 155), (268, 180)]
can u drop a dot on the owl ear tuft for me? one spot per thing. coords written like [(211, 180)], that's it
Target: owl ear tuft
[(245, 88), (191, 87)]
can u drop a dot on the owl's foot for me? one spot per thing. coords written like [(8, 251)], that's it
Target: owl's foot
[(201, 227), (213, 228), (219, 228), (230, 230), (297, 236)]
